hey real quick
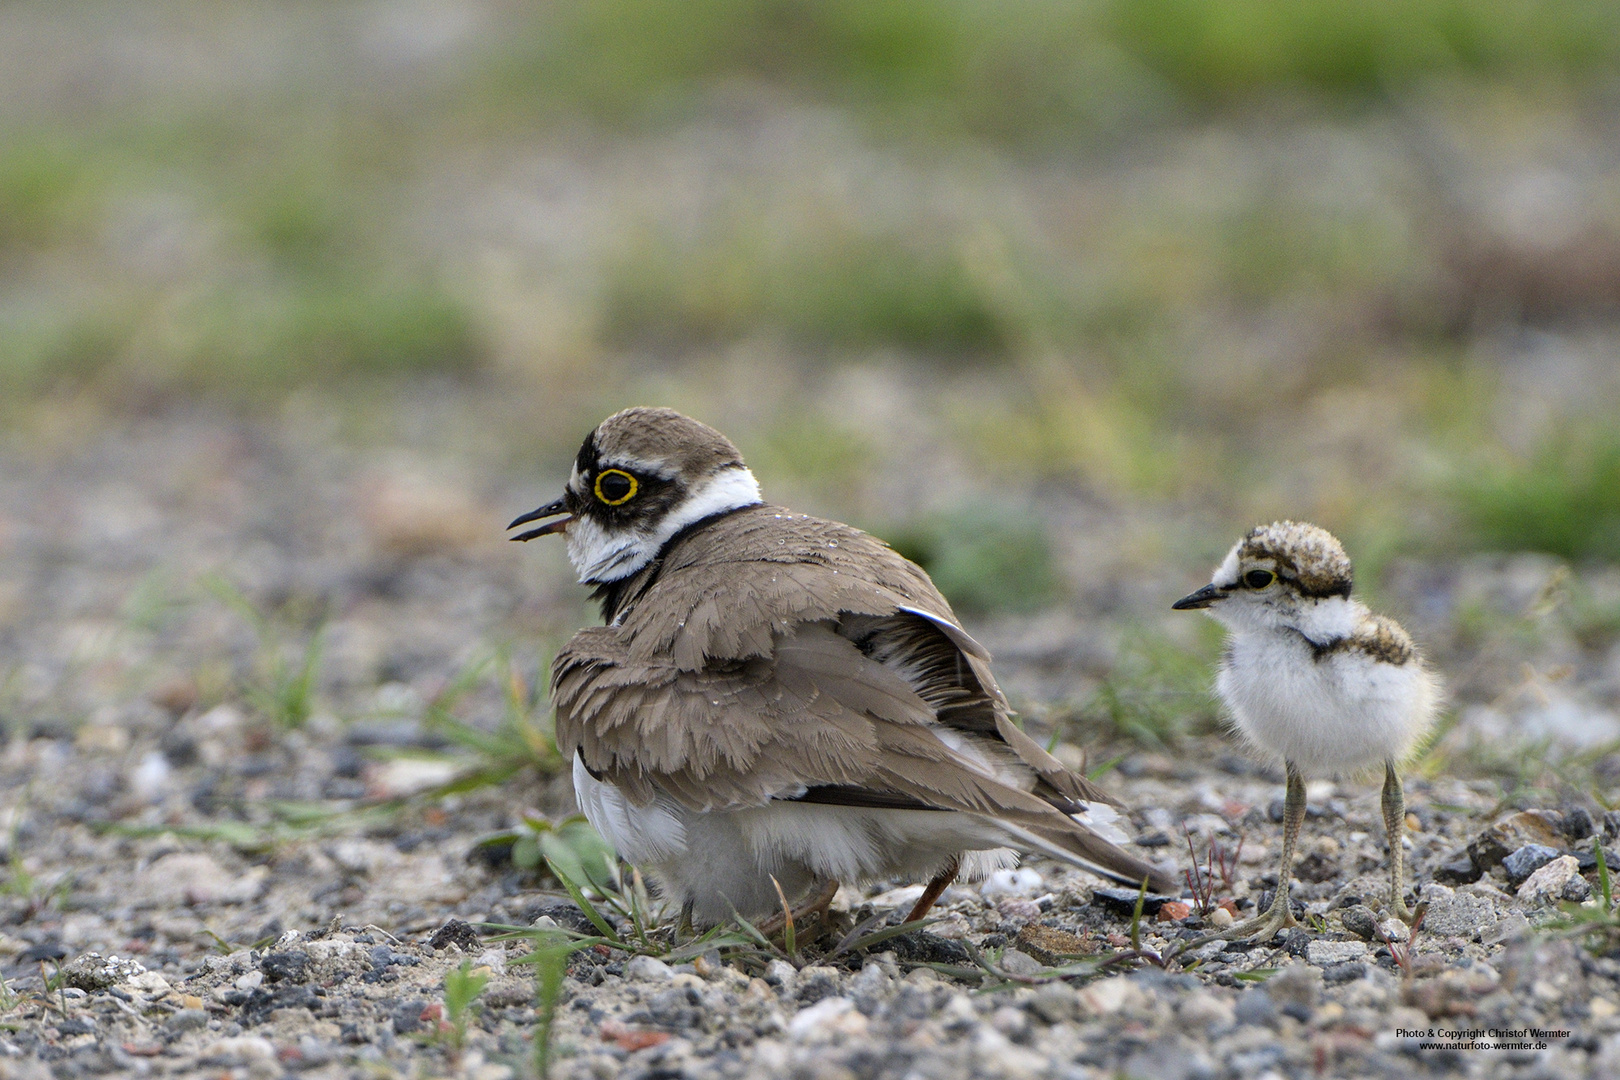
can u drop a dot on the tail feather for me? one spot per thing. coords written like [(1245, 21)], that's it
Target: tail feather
[(1081, 847)]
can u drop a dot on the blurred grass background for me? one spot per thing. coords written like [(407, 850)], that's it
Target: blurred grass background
[(980, 276)]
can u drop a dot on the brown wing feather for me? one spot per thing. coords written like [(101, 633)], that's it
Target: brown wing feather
[(703, 607), (951, 671), (818, 714)]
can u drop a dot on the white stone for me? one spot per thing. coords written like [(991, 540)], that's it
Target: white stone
[(1017, 962), (1546, 885), (1020, 882), (1323, 953), (770, 1058), (494, 959), (648, 969), (831, 1019), (997, 1056), (870, 980), (1017, 910), (1457, 914), (150, 779), (241, 1048), (959, 1010), (1202, 1009), (184, 878), (251, 981), (402, 777), (221, 719), (328, 949), (1108, 996), (151, 984), (1396, 930), (1013, 1022)]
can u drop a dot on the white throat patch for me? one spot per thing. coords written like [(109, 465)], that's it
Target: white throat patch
[(601, 556)]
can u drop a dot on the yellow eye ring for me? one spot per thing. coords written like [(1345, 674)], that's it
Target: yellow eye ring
[(1259, 579), (615, 477)]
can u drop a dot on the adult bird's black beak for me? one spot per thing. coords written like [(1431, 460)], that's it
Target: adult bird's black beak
[(551, 509), (1200, 599)]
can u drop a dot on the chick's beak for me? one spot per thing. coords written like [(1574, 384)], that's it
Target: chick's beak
[(1200, 599), (550, 510)]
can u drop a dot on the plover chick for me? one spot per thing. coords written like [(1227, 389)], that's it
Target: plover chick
[(1312, 677), (779, 703)]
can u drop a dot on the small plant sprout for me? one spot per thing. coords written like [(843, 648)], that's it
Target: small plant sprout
[(281, 689), (461, 989), (1596, 920), (1402, 953), (550, 959), (1220, 863), (523, 740), (20, 882)]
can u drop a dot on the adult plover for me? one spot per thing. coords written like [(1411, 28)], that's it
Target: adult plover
[(1312, 677), (780, 699)]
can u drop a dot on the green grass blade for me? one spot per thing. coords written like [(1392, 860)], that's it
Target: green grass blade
[(587, 907)]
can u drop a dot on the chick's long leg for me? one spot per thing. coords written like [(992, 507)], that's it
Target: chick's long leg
[(1394, 825), (1279, 916)]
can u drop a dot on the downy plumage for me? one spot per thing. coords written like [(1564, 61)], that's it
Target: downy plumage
[(1312, 678)]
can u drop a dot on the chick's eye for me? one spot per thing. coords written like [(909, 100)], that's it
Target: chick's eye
[(1259, 579), (615, 487)]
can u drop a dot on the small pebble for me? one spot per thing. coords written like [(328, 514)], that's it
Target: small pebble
[(1254, 1007), (1174, 911), (1359, 920), (1526, 861), (1015, 962), (1013, 1022), (648, 969), (1547, 884), (1322, 953), (1020, 882), (1055, 1003)]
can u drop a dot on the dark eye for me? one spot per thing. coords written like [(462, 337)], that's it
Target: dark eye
[(615, 486), (1259, 579)]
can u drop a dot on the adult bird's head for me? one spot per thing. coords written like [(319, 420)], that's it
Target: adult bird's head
[(641, 477)]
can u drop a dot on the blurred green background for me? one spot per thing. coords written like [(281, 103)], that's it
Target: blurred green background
[(1059, 297)]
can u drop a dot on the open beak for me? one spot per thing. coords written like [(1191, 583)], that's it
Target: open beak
[(550, 510), (1200, 599)]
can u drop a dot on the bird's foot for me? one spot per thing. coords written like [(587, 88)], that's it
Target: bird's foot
[(1260, 928), (1397, 909), (812, 914)]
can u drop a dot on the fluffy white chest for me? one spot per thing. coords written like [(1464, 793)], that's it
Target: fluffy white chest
[(1335, 713)]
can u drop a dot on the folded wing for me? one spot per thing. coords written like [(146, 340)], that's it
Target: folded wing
[(861, 711)]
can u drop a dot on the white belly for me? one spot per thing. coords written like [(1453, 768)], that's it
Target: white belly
[(724, 860), (1340, 714)]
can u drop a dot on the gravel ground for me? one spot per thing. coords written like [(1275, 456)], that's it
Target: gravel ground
[(195, 890)]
